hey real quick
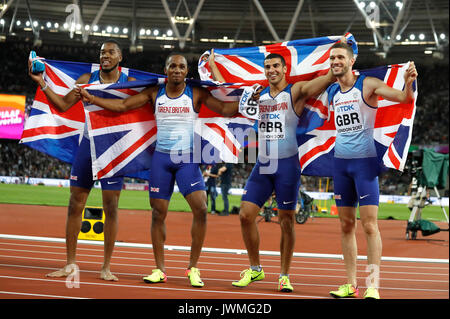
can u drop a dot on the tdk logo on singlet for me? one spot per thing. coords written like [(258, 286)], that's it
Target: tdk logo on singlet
[(345, 108), (270, 116)]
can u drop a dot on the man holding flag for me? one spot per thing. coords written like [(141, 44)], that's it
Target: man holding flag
[(176, 105), (81, 179), (278, 167), (354, 100)]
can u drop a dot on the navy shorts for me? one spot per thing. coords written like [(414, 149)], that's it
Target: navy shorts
[(356, 181), (285, 181), (164, 172), (81, 173)]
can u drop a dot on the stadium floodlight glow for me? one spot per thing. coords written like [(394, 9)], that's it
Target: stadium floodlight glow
[(142, 31), (65, 25), (18, 23), (362, 4), (169, 32), (442, 36), (78, 26), (56, 25), (412, 37), (398, 37), (95, 28), (27, 23), (116, 29), (372, 4), (125, 31), (399, 4), (49, 25), (87, 27), (148, 32), (109, 29), (422, 36), (35, 23), (155, 32)]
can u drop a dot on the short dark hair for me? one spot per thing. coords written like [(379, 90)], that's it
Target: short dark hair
[(343, 45), (173, 54), (115, 42), (276, 56)]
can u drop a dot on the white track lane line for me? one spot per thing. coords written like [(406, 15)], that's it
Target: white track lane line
[(39, 295), (206, 279), (222, 264), (206, 256), (222, 250), (255, 294), (115, 264)]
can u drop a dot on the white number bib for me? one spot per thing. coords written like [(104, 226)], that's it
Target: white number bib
[(271, 125)]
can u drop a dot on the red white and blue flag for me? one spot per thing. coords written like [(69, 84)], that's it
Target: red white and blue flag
[(58, 134), (307, 59), (392, 132), (121, 143)]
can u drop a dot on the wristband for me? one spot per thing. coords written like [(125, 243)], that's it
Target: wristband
[(45, 87)]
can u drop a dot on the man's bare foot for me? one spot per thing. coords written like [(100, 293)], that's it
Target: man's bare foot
[(63, 272), (107, 275)]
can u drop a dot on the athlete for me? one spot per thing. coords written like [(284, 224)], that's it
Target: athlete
[(356, 169), (176, 106), (278, 167), (81, 180)]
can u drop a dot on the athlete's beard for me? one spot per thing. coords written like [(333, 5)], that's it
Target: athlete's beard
[(343, 72), (110, 69)]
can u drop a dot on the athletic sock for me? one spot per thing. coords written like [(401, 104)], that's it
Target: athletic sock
[(256, 268)]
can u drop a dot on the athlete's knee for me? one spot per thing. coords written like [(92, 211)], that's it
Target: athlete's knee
[(159, 210), (286, 221), (370, 227), (248, 212), (348, 225), (110, 204), (246, 217), (199, 215), (77, 201)]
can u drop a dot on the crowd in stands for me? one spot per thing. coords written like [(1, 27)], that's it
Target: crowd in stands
[(430, 125)]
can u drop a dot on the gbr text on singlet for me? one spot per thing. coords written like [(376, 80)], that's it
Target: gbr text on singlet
[(272, 119), (347, 117)]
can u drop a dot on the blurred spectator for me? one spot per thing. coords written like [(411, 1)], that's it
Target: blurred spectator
[(225, 173), (210, 174), (19, 160)]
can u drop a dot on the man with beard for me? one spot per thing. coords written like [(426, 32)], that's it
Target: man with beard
[(356, 168), (176, 105), (81, 180)]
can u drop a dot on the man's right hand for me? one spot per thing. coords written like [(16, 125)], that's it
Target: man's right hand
[(38, 78), (83, 94)]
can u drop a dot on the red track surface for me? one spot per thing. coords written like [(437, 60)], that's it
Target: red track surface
[(24, 263)]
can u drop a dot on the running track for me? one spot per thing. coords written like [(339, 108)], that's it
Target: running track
[(32, 244)]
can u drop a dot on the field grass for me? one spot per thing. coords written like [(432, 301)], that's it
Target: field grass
[(138, 200)]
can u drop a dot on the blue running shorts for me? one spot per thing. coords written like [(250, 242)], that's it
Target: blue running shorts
[(164, 172), (285, 181), (81, 173), (356, 181)]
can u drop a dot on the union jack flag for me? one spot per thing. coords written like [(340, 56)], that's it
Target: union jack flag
[(121, 143), (392, 131), (307, 59)]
